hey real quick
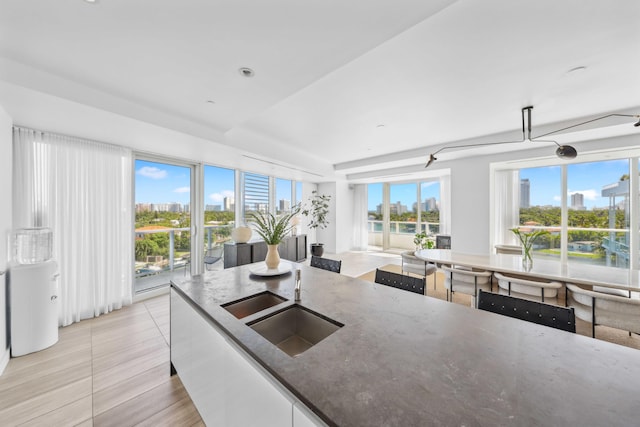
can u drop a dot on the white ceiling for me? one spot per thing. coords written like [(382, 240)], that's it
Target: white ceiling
[(360, 84)]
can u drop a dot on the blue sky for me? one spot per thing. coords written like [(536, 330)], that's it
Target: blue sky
[(585, 178), (165, 183)]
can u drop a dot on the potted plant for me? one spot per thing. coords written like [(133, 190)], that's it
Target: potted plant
[(423, 240), (527, 239), (317, 211), (272, 229)]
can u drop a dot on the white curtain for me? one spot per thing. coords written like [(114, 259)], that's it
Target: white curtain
[(82, 191), (445, 205), (360, 217), (507, 206)]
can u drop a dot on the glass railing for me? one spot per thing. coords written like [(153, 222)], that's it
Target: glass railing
[(165, 254), (401, 233)]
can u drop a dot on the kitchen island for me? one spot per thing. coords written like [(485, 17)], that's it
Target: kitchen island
[(398, 359)]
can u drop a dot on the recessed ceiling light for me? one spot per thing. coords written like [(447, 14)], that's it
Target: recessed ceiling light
[(91, 1), (246, 72)]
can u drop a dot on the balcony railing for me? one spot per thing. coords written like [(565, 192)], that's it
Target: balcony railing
[(158, 270), (401, 232)]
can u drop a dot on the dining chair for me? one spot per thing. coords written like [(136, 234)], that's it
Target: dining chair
[(599, 308), (401, 281), (212, 256), (528, 286), (466, 281), (326, 263), (532, 311), (415, 265)]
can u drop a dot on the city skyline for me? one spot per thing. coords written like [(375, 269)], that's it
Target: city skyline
[(161, 183)]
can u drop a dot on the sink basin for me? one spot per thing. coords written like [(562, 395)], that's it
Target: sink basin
[(253, 304), (295, 329)]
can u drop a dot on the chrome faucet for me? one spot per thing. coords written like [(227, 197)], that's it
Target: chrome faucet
[(298, 283)]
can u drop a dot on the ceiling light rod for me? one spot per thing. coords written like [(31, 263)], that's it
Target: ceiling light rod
[(563, 151)]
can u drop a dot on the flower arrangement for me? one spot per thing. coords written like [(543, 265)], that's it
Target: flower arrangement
[(271, 228), (527, 239), (424, 241)]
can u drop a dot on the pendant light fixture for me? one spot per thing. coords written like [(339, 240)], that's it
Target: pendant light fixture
[(562, 151)]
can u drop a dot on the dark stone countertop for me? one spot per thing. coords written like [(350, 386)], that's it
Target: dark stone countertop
[(403, 359)]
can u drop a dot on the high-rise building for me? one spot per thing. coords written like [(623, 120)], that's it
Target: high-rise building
[(430, 204), (525, 191), (213, 208), (397, 208), (284, 205), (228, 203), (577, 201)]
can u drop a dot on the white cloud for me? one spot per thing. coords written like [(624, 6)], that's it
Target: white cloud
[(181, 190), (152, 172), (219, 197)]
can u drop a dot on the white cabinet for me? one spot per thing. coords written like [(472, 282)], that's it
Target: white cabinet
[(226, 386), (251, 399), (34, 307)]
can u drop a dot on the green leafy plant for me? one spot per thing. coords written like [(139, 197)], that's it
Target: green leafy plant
[(424, 241), (271, 228), (317, 210), (527, 239)]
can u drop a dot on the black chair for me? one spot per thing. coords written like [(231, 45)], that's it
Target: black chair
[(443, 242), (400, 281), (326, 264), (532, 311)]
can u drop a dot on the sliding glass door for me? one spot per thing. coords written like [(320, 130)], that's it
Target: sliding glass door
[(162, 223)]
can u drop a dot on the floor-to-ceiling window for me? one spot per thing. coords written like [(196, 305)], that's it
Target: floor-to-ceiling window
[(403, 215), (598, 212), (586, 208), (397, 211), (162, 222), (375, 214), (541, 208), (219, 212), (284, 196)]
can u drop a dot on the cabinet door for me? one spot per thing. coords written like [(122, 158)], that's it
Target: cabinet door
[(259, 251), (208, 385), (251, 399), (181, 336)]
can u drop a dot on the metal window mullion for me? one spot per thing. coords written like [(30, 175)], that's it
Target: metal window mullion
[(564, 217), (634, 217)]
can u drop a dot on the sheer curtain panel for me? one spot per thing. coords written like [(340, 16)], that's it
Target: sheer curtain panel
[(360, 217), (82, 191), (507, 206)]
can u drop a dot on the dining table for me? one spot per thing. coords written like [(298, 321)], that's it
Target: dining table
[(548, 268)]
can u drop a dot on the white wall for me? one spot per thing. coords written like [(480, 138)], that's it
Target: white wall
[(45, 112), (5, 227)]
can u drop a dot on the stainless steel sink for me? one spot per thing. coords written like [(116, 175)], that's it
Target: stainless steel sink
[(253, 304), (295, 329)]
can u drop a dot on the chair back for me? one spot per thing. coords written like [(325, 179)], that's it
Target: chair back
[(326, 264), (443, 242), (401, 281), (532, 311), (212, 256)]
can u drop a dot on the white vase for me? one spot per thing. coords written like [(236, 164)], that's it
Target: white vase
[(273, 257), (241, 234)]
